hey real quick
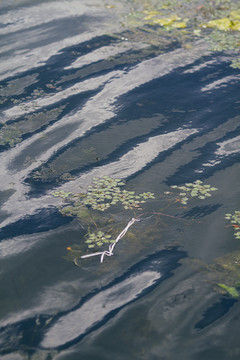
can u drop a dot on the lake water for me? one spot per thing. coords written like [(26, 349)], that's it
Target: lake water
[(91, 89)]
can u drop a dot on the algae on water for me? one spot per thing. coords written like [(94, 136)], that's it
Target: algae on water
[(102, 194), (217, 22), (225, 273), (235, 222), (10, 135), (195, 189)]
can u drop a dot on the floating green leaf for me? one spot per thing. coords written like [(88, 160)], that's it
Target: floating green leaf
[(10, 135), (235, 221), (195, 189), (230, 290), (97, 239), (61, 194), (103, 193)]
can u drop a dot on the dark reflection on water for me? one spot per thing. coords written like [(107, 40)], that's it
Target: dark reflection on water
[(71, 326), (198, 212), (44, 220), (215, 312), (82, 97)]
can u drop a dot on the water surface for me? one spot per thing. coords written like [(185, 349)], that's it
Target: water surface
[(83, 96)]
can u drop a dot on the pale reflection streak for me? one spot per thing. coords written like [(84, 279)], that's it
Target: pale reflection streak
[(24, 55), (101, 107), (127, 165), (93, 311), (135, 160), (31, 59), (50, 299), (220, 83), (229, 147), (96, 111), (46, 100), (27, 17), (16, 245), (104, 53), (199, 67)]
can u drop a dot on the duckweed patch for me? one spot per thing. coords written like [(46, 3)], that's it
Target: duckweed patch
[(10, 135), (235, 221), (102, 194), (225, 273), (195, 189), (105, 193), (98, 239), (235, 64), (223, 40), (232, 291), (232, 22), (185, 21)]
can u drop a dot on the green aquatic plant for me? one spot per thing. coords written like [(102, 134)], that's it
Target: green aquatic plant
[(231, 22), (10, 135), (100, 195), (103, 193), (170, 22), (61, 194), (106, 192), (225, 273), (195, 189), (223, 40), (217, 22), (232, 291), (98, 239), (235, 221), (235, 64)]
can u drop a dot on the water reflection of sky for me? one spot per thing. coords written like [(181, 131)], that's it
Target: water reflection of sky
[(78, 87), (78, 322)]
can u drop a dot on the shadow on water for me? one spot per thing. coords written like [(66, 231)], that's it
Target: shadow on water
[(199, 212), (95, 309), (44, 220), (215, 312)]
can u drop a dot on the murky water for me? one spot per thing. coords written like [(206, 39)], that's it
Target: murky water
[(84, 95)]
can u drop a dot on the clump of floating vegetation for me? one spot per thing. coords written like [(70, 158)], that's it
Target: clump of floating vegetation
[(218, 22), (223, 40), (231, 290), (235, 64), (195, 189), (62, 194), (235, 221), (231, 22), (105, 193), (171, 22), (98, 239), (226, 273), (102, 194), (10, 135)]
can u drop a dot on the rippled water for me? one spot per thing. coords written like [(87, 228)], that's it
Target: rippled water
[(83, 97)]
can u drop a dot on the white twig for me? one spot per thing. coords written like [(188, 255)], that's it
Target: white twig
[(109, 252)]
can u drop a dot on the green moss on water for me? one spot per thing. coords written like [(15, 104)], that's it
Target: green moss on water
[(216, 22), (225, 273), (107, 193), (102, 194), (232, 291), (193, 190), (235, 222), (10, 135)]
